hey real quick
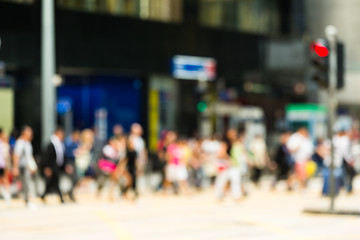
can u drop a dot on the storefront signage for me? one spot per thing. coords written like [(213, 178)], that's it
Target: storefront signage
[(195, 68)]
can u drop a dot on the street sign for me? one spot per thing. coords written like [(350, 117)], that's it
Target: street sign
[(195, 68)]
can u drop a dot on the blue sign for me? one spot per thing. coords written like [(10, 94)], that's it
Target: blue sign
[(196, 68)]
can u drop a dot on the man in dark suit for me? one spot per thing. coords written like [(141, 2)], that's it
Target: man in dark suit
[(54, 163)]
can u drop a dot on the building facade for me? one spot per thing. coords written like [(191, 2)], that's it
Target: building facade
[(116, 55)]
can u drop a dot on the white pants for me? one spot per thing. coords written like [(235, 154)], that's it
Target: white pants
[(176, 173), (233, 175)]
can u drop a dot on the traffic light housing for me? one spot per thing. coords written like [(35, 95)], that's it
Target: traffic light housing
[(320, 52), (340, 49), (320, 62)]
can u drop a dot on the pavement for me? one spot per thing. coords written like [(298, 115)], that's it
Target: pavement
[(264, 214)]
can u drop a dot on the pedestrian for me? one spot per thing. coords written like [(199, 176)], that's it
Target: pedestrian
[(72, 143), (53, 163), (238, 167), (283, 161), (107, 165), (209, 149), (162, 146), (118, 131), (83, 158), (139, 145), (321, 151), (259, 157), (176, 172), (196, 164), (229, 169), (342, 158), (4, 166), (22, 156), (301, 148), (223, 166), (130, 162)]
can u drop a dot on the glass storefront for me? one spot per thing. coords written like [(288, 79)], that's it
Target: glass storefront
[(254, 16), (158, 10)]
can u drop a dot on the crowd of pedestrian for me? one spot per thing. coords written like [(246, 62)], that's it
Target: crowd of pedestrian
[(227, 163)]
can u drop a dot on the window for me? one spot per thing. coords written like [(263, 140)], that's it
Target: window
[(158, 10), (257, 16), (19, 1)]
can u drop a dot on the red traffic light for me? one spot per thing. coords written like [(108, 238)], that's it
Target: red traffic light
[(320, 49)]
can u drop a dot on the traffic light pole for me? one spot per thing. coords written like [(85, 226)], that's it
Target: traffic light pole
[(331, 35)]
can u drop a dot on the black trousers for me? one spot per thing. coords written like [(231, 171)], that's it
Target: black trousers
[(53, 183), (132, 172), (256, 174)]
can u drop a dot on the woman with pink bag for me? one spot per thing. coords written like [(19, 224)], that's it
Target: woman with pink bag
[(107, 164)]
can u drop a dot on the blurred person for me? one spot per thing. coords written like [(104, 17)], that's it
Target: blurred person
[(118, 130), (210, 148), (238, 168), (72, 144), (176, 172), (258, 157), (107, 165), (321, 151), (4, 166), (139, 145), (196, 165), (283, 161), (229, 165), (301, 148), (130, 163), (342, 155), (162, 146), (22, 156), (53, 163), (83, 156), (222, 177), (186, 156)]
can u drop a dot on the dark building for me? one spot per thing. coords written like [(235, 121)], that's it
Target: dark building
[(116, 54)]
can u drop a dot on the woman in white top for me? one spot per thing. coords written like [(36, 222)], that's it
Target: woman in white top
[(301, 148)]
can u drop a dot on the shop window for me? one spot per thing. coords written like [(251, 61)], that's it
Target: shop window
[(158, 10), (256, 16), (19, 1)]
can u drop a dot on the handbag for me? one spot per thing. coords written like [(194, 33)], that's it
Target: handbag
[(106, 166)]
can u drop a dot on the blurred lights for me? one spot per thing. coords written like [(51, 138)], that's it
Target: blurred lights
[(201, 106), (58, 80), (320, 49)]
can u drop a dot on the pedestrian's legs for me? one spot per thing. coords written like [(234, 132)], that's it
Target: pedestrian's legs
[(133, 181), (74, 178), (56, 184), (220, 183), (235, 181), (325, 174), (101, 182), (256, 174), (25, 179), (4, 188)]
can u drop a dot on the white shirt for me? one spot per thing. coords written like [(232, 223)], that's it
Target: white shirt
[(24, 151), (111, 153), (139, 146), (258, 149), (59, 149), (301, 147), (342, 151), (210, 146)]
